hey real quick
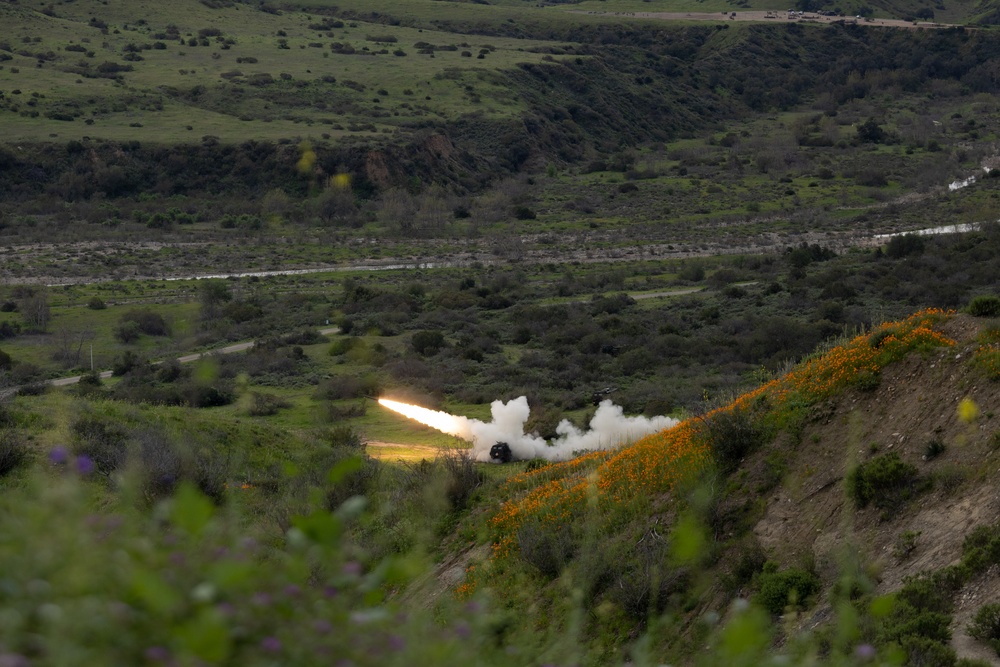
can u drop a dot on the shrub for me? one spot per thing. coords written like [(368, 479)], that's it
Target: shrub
[(9, 329), (548, 548), (13, 452), (208, 396), (934, 449), (981, 547), (464, 477), (127, 331), (791, 587), (734, 434), (902, 246), (985, 306), (885, 481), (344, 345), (102, 440), (96, 303), (524, 213), (126, 363), (642, 582), (160, 464), (985, 626), (427, 343), (6, 362), (146, 321), (906, 543), (264, 405), (91, 379), (342, 387)]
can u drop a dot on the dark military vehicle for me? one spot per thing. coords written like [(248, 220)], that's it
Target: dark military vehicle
[(501, 452)]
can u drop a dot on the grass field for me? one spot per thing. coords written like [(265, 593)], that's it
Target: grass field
[(259, 85)]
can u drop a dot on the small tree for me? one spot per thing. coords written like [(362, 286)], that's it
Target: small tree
[(871, 132), (35, 311), (212, 294)]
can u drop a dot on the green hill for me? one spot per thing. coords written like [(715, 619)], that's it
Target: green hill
[(852, 495), (258, 217)]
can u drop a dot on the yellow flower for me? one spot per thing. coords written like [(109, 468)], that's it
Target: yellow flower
[(968, 411)]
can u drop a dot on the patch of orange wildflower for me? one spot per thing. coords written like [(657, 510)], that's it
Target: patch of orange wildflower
[(655, 464)]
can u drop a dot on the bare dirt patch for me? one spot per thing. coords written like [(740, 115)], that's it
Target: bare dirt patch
[(777, 17), (809, 517)]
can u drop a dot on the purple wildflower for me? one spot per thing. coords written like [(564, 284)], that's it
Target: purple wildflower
[(352, 568), (322, 626), (59, 456), (84, 465), (865, 651), (291, 590), (261, 599), (271, 644), (157, 654), (13, 660), (396, 643)]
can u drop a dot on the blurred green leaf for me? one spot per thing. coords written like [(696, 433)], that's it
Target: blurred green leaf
[(882, 606), (687, 543), (206, 636), (231, 574), (352, 507), (153, 592), (344, 468), (191, 510), (746, 636), (320, 527)]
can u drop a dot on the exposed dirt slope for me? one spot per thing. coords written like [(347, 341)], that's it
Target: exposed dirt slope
[(809, 517)]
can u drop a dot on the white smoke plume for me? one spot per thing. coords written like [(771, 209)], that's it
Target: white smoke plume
[(608, 429)]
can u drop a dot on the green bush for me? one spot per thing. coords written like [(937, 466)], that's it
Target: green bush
[(985, 625), (733, 435), (13, 452), (885, 481), (427, 343), (548, 548), (984, 306), (981, 547), (792, 587), (102, 440), (464, 477), (926, 651), (263, 404)]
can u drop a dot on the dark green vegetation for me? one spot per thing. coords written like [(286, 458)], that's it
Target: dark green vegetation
[(654, 336), (591, 135), (661, 213)]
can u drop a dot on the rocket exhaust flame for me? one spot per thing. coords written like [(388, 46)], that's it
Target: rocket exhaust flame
[(608, 429), (442, 421)]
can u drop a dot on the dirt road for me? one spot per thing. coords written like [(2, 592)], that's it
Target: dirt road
[(774, 17), (186, 359)]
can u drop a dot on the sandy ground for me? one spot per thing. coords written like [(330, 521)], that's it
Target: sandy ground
[(772, 17)]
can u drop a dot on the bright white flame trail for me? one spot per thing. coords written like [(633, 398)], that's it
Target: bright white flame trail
[(609, 428), (442, 421)]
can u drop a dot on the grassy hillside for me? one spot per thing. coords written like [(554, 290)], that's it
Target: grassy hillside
[(255, 218), (815, 492), (605, 132)]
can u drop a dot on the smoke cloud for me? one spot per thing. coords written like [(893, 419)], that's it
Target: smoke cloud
[(608, 429)]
